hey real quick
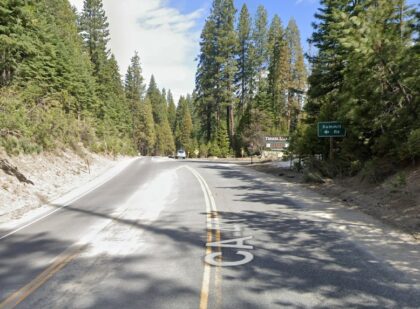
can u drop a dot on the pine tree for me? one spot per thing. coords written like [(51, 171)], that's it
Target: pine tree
[(171, 111), (18, 41), (327, 65), (206, 80), (68, 96), (134, 89), (223, 141), (376, 42), (298, 72), (134, 81), (187, 131), (158, 104), (260, 41), (147, 140), (372, 40), (216, 69), (227, 65), (165, 142), (94, 29), (245, 75), (298, 75), (113, 107), (165, 139), (279, 74)]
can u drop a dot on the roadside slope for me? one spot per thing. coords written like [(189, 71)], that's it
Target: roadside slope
[(52, 174)]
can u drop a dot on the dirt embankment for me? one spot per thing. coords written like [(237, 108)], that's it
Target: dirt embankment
[(30, 181), (396, 201)]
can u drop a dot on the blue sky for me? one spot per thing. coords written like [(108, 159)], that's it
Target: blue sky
[(302, 10), (166, 33)]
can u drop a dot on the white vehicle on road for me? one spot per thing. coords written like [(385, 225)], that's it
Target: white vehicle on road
[(180, 154)]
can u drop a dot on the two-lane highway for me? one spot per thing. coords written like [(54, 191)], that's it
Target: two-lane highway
[(194, 234)]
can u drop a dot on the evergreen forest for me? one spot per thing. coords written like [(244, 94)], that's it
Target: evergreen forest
[(60, 85)]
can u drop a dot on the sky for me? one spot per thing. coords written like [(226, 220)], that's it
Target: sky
[(166, 33)]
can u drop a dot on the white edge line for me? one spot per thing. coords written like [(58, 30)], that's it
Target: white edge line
[(68, 203)]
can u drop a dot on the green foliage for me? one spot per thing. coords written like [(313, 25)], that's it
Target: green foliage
[(184, 127), (223, 142), (400, 180), (171, 111), (260, 42), (157, 101), (18, 41), (214, 149), (298, 74), (254, 126), (15, 146), (257, 51), (312, 177), (134, 89), (165, 143), (279, 74), (204, 150), (94, 29), (377, 170), (216, 69), (246, 63), (147, 140), (365, 75), (52, 95), (134, 81), (413, 144)]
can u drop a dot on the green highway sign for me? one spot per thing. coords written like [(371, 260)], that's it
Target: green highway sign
[(331, 129)]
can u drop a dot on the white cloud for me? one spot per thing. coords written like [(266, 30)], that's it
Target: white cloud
[(165, 38)]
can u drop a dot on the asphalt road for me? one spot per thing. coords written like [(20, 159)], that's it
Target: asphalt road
[(194, 234)]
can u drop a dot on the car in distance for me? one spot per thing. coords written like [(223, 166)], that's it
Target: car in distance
[(180, 154)]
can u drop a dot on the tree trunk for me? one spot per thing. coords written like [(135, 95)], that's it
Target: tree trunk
[(231, 124)]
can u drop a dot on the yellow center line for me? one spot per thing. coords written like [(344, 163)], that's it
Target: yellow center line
[(204, 295), (218, 280), (213, 231), (60, 262)]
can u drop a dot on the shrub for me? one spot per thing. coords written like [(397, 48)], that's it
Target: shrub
[(376, 171), (312, 177), (214, 149), (204, 150), (413, 144)]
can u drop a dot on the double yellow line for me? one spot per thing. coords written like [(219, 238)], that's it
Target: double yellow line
[(213, 235), (60, 262)]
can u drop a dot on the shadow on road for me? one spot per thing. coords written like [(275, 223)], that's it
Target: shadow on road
[(298, 261), (300, 255)]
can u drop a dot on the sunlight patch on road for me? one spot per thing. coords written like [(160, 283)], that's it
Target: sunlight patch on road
[(123, 237)]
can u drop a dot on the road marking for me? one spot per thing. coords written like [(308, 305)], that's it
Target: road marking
[(61, 261), (213, 230), (68, 203)]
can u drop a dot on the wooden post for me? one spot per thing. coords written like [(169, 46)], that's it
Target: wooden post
[(331, 148)]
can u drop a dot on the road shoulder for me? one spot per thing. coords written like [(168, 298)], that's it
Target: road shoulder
[(396, 248)]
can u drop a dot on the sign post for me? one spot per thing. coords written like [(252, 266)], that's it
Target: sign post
[(331, 129)]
